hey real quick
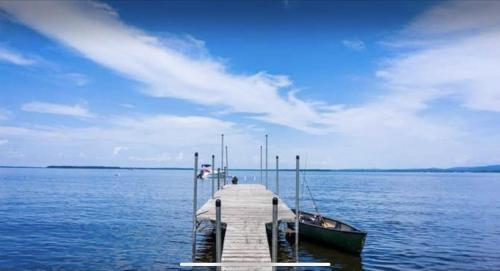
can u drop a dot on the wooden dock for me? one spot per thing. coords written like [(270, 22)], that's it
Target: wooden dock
[(245, 209)]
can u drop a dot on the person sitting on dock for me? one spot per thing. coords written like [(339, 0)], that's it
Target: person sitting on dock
[(234, 180)]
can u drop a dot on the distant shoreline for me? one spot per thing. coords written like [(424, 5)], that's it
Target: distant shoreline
[(479, 169)]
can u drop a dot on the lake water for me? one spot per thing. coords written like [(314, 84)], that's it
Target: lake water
[(76, 219)]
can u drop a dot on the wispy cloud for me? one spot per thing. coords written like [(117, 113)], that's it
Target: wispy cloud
[(78, 79), (354, 44), (59, 109), (12, 57), (157, 158), (148, 139), (4, 114), (118, 149), (456, 64), (463, 66), (158, 63), (457, 17), (129, 106), (3, 142)]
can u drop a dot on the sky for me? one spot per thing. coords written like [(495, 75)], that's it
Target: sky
[(375, 84)]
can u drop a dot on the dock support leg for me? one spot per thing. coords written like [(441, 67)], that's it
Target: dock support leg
[(218, 232), (225, 175), (261, 164), (227, 164), (213, 176), (267, 185), (277, 176), (222, 151), (195, 203), (218, 179), (275, 232), (297, 207)]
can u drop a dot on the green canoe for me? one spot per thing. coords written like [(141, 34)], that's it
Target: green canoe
[(330, 232)]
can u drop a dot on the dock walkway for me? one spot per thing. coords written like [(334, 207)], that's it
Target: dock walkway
[(245, 209)]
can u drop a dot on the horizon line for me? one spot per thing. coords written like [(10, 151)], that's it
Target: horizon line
[(484, 168)]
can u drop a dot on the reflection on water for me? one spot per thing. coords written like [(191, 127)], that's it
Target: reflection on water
[(311, 252), (308, 252), (338, 259)]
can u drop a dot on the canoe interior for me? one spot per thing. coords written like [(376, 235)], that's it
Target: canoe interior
[(328, 223)]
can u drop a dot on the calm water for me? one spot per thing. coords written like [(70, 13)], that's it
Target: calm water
[(125, 220)]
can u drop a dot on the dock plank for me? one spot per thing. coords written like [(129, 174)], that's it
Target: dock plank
[(245, 209)]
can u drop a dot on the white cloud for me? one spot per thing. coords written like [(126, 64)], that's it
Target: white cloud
[(3, 142), (464, 66), (165, 70), (399, 128), (77, 78), (59, 109), (456, 65), (129, 106), (149, 140), (160, 158), (457, 17), (118, 149), (4, 114), (354, 44), (15, 58)]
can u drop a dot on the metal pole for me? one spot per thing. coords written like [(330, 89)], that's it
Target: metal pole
[(218, 233), (261, 164), (297, 212), (277, 176), (218, 179), (227, 167), (213, 176), (275, 231), (266, 163), (222, 151), (195, 207), (225, 176)]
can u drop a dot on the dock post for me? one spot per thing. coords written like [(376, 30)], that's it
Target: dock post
[(227, 164), (277, 176), (213, 176), (266, 165), (222, 151), (225, 176), (218, 232), (260, 164), (218, 179), (275, 232), (195, 207), (297, 207)]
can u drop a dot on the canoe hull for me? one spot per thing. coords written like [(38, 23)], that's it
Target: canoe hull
[(348, 241)]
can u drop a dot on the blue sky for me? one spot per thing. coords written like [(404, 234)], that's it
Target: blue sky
[(345, 84)]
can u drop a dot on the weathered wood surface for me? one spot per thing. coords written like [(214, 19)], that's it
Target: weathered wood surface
[(245, 208)]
